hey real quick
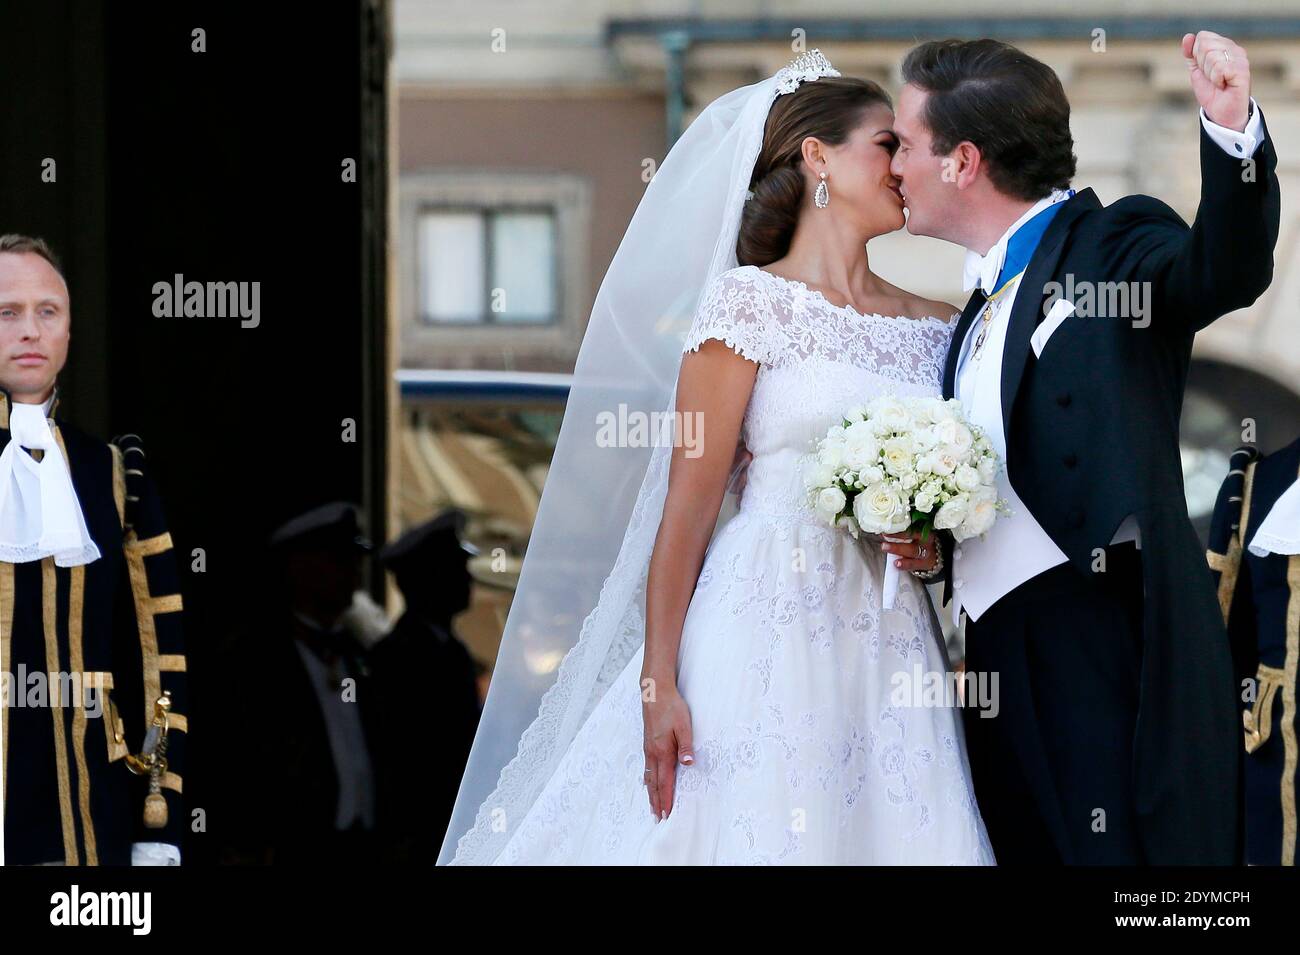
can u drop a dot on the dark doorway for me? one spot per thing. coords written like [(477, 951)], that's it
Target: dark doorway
[(221, 165)]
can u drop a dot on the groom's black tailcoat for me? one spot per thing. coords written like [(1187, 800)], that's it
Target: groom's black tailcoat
[(1092, 437)]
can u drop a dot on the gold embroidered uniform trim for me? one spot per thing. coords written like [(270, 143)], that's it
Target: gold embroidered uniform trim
[(77, 665), (168, 603), (77, 662), (171, 662), (1229, 564), (1258, 720), (6, 639), (1288, 711), (49, 594), (153, 545), (148, 632)]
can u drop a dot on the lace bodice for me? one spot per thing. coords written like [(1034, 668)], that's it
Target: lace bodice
[(817, 360)]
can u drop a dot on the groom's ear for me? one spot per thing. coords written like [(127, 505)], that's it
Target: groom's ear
[(963, 165)]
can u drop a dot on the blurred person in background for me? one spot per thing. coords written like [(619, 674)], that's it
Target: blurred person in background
[(427, 683), (307, 721)]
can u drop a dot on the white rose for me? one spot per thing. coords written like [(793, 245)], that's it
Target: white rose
[(860, 448), (941, 461), (946, 410), (925, 498), (894, 416), (830, 502), (856, 413), (922, 410), (956, 435), (872, 475), (897, 453), (979, 518), (879, 510), (952, 513), (988, 470), (925, 438), (967, 478)]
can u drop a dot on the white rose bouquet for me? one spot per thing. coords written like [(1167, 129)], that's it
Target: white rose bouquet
[(905, 464)]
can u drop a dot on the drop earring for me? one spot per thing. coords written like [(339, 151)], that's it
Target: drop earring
[(822, 197)]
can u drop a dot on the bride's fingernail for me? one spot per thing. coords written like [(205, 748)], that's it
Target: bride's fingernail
[(898, 563), (688, 759)]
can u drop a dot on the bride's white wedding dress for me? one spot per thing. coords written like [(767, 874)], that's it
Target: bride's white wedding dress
[(786, 662)]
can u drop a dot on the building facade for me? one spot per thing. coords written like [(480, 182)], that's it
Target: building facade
[(527, 131)]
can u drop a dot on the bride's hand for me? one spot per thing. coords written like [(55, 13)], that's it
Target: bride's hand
[(667, 722), (909, 553)]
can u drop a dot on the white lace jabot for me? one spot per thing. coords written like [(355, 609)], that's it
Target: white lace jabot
[(40, 515), (1280, 531)]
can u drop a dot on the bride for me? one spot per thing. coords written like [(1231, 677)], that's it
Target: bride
[(731, 696)]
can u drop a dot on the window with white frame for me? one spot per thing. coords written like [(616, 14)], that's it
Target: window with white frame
[(488, 264)]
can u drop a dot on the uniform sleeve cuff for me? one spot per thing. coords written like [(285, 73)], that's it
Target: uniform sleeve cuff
[(154, 853)]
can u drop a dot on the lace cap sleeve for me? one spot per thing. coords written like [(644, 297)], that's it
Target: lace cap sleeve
[(734, 309)]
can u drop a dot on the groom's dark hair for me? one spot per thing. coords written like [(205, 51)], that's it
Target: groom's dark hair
[(1008, 104)]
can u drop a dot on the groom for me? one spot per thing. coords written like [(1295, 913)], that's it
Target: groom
[(1117, 738)]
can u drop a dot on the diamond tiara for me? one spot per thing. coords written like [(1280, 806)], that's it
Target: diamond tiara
[(806, 66)]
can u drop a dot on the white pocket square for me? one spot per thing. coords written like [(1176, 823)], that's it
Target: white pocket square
[(1059, 312)]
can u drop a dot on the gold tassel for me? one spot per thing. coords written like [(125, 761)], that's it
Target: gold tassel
[(153, 760)]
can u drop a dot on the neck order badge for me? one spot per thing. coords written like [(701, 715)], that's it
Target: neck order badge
[(1020, 249)]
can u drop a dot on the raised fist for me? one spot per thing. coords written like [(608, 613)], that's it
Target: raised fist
[(1220, 78)]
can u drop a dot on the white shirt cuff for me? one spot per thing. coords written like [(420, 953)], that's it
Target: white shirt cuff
[(154, 853), (1242, 145)]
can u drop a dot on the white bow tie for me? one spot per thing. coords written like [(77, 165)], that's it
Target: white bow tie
[(982, 270), (40, 515)]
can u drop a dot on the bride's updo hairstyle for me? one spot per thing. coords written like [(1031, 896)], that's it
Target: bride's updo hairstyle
[(828, 108)]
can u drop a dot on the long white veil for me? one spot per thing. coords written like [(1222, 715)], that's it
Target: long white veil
[(601, 505)]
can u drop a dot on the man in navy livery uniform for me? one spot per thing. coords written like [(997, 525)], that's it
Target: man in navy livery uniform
[(90, 621), (1254, 554)]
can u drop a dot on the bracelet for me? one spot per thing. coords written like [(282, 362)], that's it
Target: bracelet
[(934, 571)]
